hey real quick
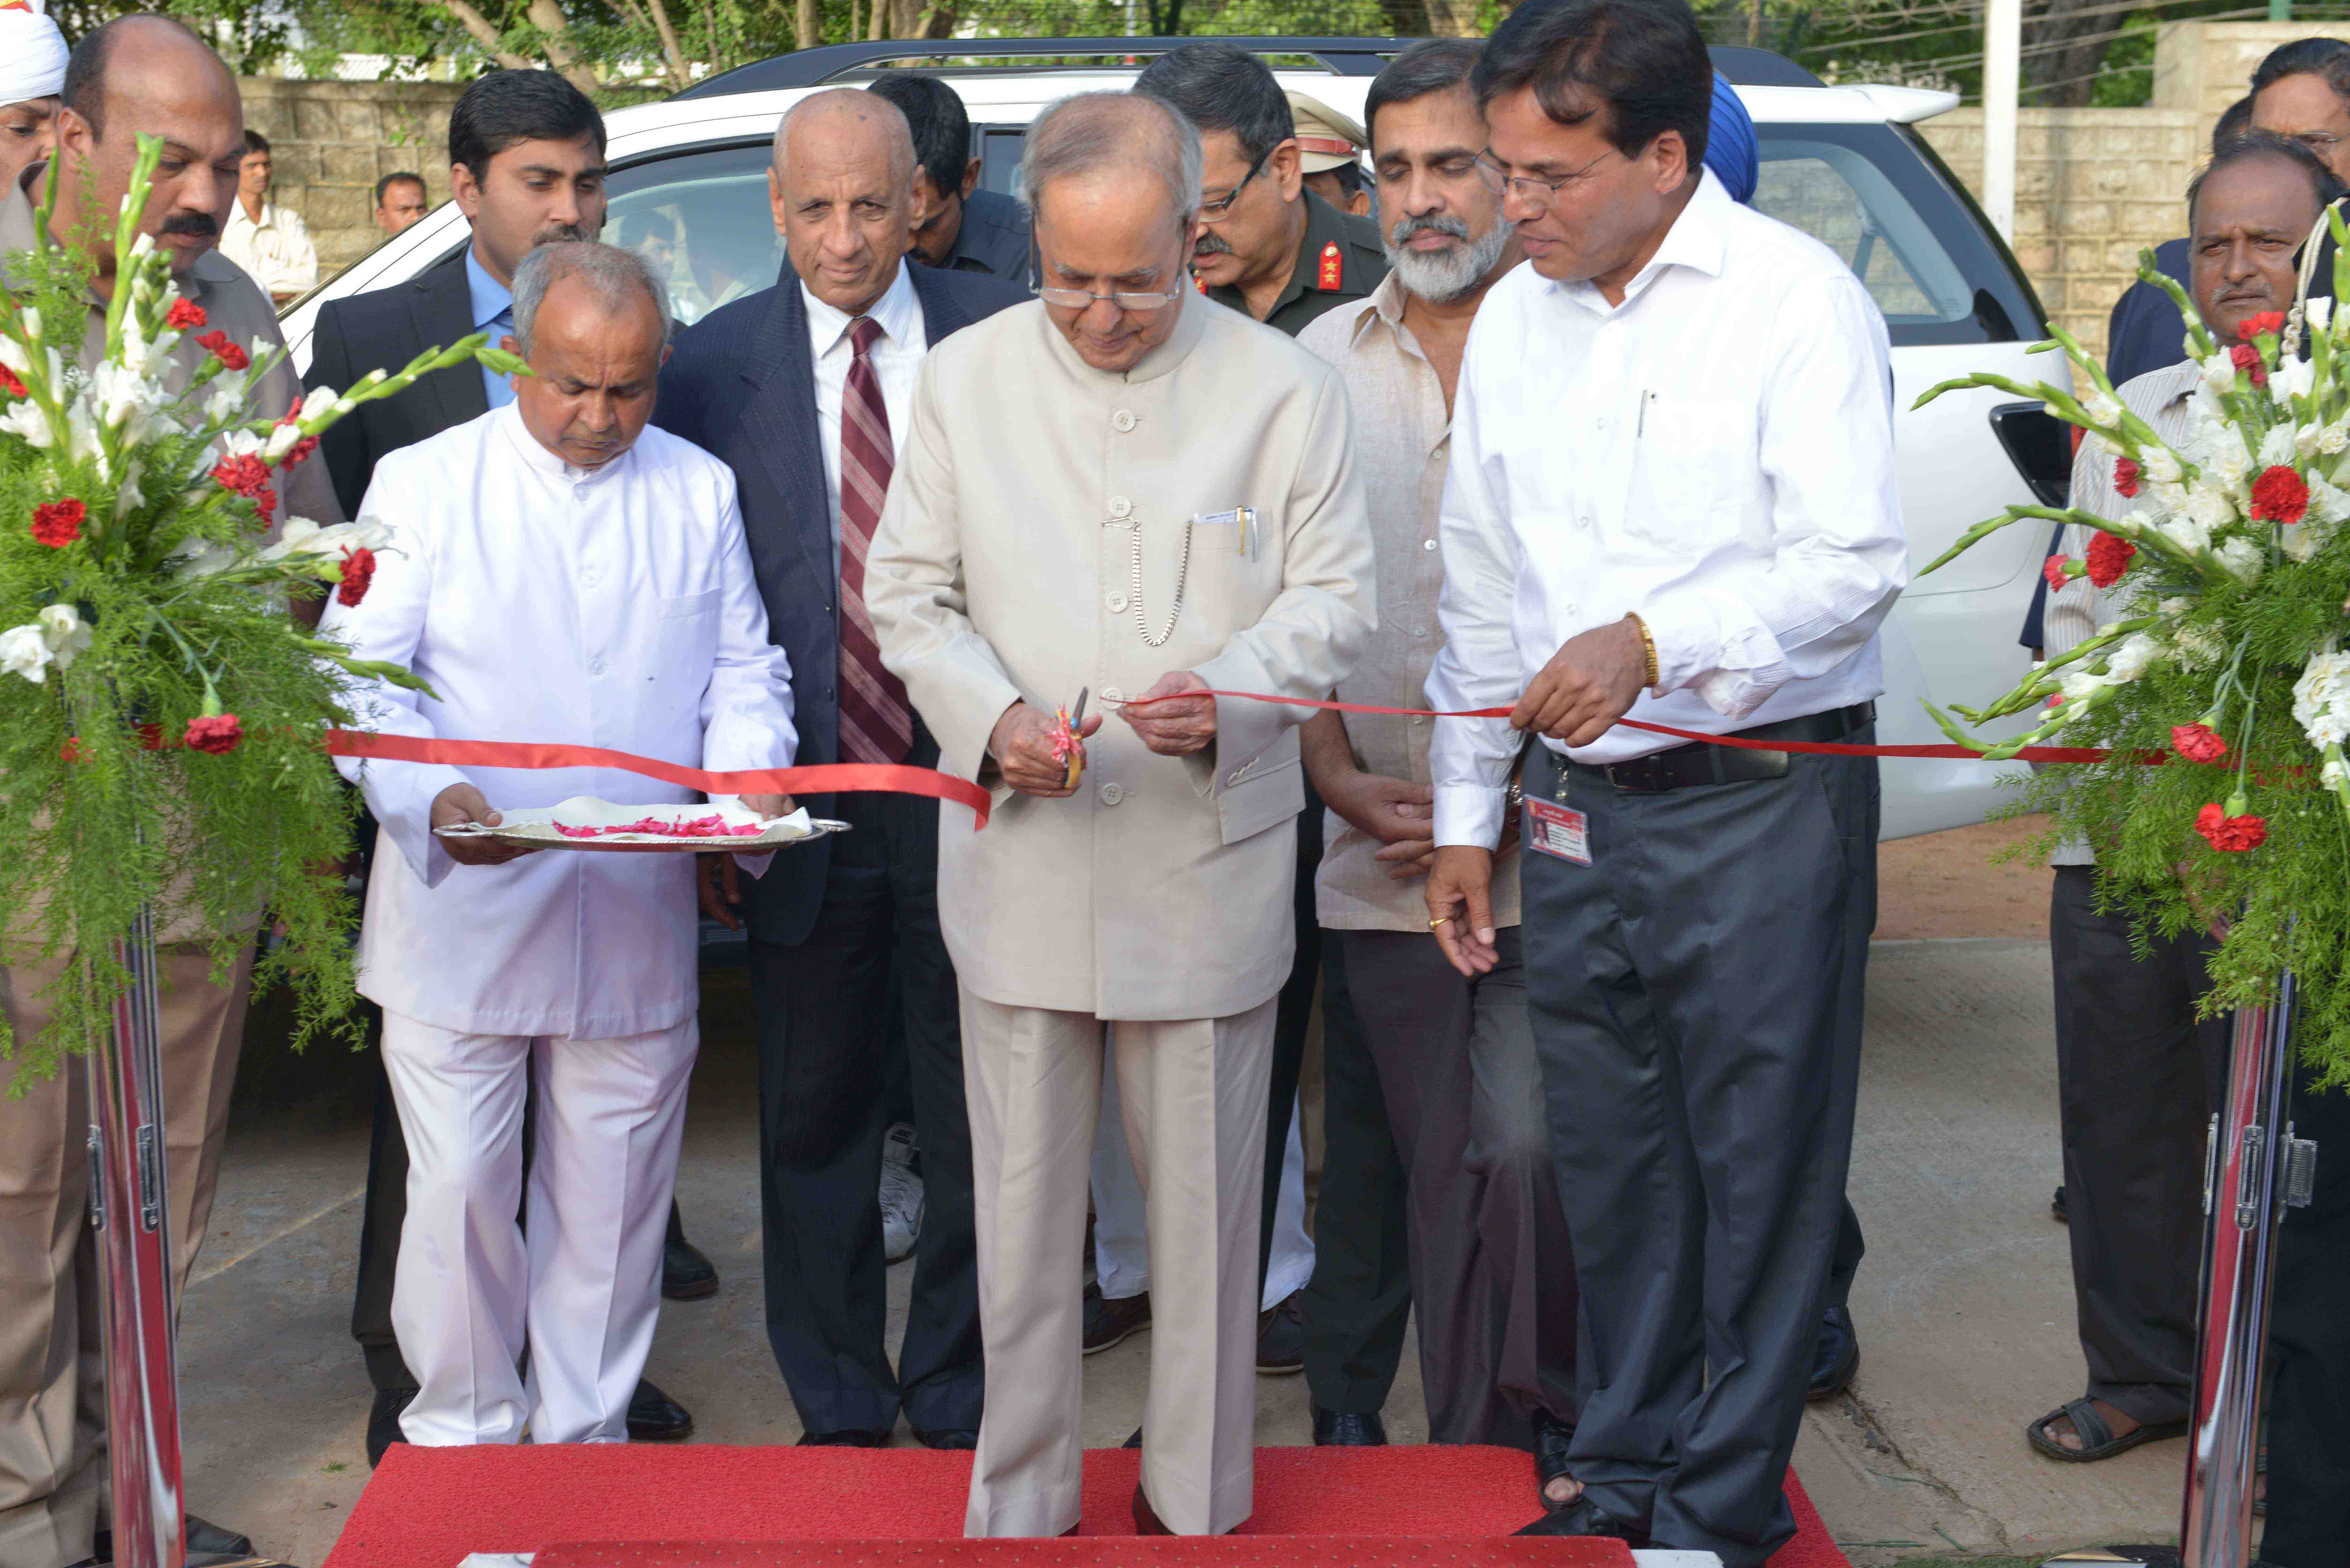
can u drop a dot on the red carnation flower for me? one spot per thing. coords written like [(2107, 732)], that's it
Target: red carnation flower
[(184, 314), (359, 571), (226, 352), (2231, 835), (265, 507), (2198, 742), (290, 415), (2125, 476), (58, 523), (2247, 359), (9, 384), (73, 750), (2109, 557), (298, 451), (2280, 495), (2052, 569), (245, 473), (219, 735), (2270, 321)]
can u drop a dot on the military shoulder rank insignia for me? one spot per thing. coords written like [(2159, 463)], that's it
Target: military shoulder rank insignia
[(1332, 266)]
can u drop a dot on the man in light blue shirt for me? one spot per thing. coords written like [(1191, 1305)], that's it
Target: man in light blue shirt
[(492, 307)]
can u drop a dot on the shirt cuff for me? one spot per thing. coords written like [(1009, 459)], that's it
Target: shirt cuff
[(1471, 815), (1687, 638)]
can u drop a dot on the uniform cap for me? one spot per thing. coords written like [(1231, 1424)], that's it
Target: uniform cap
[(1325, 139)]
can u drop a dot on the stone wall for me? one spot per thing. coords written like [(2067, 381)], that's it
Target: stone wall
[(330, 141), (2092, 187)]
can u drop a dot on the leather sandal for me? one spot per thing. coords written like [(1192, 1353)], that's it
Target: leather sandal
[(1551, 1439), (2097, 1439)]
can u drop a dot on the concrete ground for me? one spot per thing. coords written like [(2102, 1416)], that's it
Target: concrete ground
[(1964, 1304)]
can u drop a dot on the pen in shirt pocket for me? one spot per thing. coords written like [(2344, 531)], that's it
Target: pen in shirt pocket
[(1640, 427)]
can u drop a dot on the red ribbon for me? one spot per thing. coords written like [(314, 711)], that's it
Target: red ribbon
[(1820, 748), (830, 778)]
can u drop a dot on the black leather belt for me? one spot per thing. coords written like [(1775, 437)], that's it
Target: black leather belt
[(1701, 763)]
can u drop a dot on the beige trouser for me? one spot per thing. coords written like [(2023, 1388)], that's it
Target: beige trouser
[(52, 1373), (1194, 1100)]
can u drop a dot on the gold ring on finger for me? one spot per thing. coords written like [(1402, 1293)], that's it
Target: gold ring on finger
[(1439, 920)]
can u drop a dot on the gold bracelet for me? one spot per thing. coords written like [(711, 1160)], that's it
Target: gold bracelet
[(1647, 649)]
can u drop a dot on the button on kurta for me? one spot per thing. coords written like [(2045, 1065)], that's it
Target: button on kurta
[(1114, 603), (1112, 694), (1120, 506), (1122, 421), (1112, 793), (1428, 543)]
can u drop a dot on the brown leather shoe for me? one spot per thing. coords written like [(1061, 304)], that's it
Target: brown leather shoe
[(1109, 1323)]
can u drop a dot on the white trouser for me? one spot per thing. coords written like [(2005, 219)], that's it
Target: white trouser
[(1122, 1262), (582, 1286), (1193, 1098)]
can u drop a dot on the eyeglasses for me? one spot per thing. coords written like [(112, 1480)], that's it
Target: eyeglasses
[(1124, 299), (1224, 203), (1531, 188)]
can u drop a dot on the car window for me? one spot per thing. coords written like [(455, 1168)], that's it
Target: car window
[(1896, 218), (702, 223)]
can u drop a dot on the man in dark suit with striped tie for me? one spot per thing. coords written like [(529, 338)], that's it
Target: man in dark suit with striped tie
[(805, 390)]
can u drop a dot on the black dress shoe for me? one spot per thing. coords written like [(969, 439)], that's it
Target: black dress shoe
[(1349, 1430), (1836, 1356), (687, 1276), (1552, 1438), (1587, 1518), (655, 1417), (2056, 1209), (849, 1439), (949, 1438), (383, 1422), (1108, 1323), (1281, 1337)]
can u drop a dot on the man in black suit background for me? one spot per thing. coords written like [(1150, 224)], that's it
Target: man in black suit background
[(526, 157), (791, 386)]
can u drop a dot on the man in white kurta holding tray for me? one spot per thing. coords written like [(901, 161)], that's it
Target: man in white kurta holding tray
[(557, 573), (1128, 488)]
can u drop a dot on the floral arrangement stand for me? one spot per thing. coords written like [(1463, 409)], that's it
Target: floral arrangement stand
[(2256, 1171), (129, 1210), (2216, 706), (162, 719)]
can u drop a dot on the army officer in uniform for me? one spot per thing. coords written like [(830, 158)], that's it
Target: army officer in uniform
[(1108, 530)]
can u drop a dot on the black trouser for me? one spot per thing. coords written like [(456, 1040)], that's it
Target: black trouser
[(1696, 994), (822, 1010), (2137, 1078), (2309, 1355)]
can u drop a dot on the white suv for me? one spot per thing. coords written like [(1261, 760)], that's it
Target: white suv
[(1841, 163)]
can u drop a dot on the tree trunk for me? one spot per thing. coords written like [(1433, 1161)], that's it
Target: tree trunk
[(555, 31), (2063, 47), (478, 27), (679, 76), (1452, 19), (806, 26)]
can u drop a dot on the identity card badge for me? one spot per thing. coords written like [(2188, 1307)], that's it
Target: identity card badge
[(1560, 832)]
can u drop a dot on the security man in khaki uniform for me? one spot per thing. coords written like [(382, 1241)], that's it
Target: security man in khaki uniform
[(1330, 147), (152, 77)]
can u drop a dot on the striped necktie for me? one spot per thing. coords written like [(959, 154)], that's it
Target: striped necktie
[(877, 724)]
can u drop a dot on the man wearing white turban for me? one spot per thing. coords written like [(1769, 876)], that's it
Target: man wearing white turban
[(32, 74)]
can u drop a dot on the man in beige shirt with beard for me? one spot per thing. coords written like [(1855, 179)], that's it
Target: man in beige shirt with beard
[(1438, 1156), (1167, 505)]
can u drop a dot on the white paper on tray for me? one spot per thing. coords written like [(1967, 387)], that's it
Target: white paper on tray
[(538, 823)]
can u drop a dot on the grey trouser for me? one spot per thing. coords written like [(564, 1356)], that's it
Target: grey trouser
[(1453, 1081), (2136, 1077), (1696, 996)]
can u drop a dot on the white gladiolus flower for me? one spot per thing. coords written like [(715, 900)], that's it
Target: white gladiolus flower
[(2242, 558), (2102, 409), (239, 443), (24, 418), (65, 632), (25, 651), (144, 246), (82, 441), (2332, 774), (2220, 371), (2301, 542), (2161, 464), (202, 559), (2290, 380), (2279, 447), (2132, 658), (2210, 506), (13, 354), (127, 400), (2226, 460), (129, 497), (2321, 700), (2328, 501), (226, 400), (2318, 310), (2078, 685), (281, 442), (302, 536)]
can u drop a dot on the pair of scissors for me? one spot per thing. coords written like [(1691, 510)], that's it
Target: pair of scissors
[(1076, 720)]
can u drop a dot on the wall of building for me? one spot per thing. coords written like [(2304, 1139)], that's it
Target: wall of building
[(330, 141)]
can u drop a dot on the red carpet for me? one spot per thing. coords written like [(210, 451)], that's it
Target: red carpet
[(714, 1507)]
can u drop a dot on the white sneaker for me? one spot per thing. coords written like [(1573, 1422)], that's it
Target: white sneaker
[(902, 1195)]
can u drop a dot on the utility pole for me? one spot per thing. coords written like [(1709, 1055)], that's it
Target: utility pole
[(2002, 47)]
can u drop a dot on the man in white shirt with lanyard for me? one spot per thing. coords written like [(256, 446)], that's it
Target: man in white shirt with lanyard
[(1672, 471)]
